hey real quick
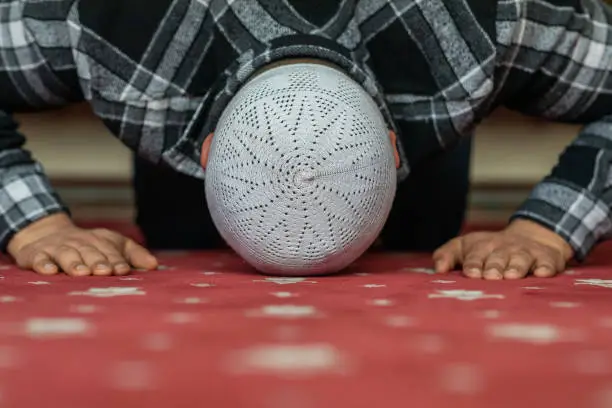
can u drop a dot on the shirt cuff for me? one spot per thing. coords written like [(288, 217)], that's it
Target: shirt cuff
[(23, 201), (573, 213)]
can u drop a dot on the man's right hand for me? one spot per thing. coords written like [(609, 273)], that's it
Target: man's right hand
[(54, 244)]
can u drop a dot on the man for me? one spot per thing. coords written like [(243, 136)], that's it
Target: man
[(424, 217), (161, 79), (429, 207)]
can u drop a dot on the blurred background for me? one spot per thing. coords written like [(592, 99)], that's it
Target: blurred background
[(92, 170)]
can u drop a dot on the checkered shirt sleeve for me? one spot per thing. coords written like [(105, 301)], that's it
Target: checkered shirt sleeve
[(557, 56), (27, 81)]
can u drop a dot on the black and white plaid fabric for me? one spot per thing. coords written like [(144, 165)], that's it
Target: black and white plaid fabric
[(160, 72)]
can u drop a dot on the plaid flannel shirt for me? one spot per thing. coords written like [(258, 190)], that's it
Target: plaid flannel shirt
[(159, 73)]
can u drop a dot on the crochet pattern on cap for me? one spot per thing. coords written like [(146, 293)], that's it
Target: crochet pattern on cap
[(301, 175)]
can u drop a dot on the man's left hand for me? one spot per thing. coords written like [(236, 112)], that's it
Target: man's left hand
[(522, 248)]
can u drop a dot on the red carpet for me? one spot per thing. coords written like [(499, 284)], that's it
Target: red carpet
[(206, 332)]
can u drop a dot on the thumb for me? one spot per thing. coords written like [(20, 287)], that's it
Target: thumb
[(138, 256), (448, 256)]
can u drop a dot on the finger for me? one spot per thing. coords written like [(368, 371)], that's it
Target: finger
[(117, 262), (138, 256), (448, 256), (95, 260), (70, 260), (495, 264), (519, 265), (43, 264), (545, 265), (474, 263)]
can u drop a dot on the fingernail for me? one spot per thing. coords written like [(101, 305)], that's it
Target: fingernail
[(440, 266), (102, 267), (474, 272), (82, 269), (493, 274), (49, 267), (512, 273), (543, 272), (122, 266)]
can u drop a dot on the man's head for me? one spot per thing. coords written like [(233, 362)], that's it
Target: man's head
[(301, 171)]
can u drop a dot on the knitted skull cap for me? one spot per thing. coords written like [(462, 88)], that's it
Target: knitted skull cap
[(301, 173)]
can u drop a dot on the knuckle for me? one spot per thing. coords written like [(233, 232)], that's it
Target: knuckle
[(115, 258), (476, 244), (470, 258), (498, 244), (514, 248), (111, 238), (536, 251), (496, 259), (88, 238), (479, 236), (110, 248), (477, 254), (472, 263), (556, 254), (119, 263), (73, 243), (522, 252), (495, 264), (64, 248), (518, 263), (88, 248), (542, 253), (100, 244), (498, 253), (491, 246)]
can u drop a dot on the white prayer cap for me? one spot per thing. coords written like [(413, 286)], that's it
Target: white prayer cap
[(301, 173)]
